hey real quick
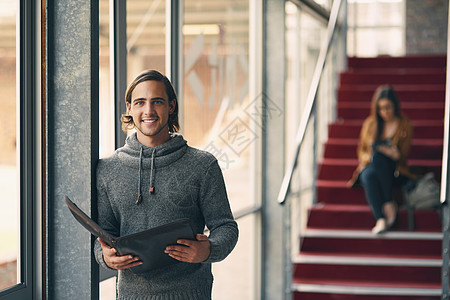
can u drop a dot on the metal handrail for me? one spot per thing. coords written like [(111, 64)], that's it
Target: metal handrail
[(246, 211), (310, 100)]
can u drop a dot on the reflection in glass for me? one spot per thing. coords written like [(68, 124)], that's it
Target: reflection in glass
[(146, 36), (218, 115), (217, 111), (9, 168)]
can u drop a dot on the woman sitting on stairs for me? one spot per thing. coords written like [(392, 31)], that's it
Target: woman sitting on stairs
[(384, 144)]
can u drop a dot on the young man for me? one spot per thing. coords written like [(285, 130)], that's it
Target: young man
[(157, 178)]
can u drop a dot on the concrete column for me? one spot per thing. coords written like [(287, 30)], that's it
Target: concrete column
[(273, 281), (71, 145)]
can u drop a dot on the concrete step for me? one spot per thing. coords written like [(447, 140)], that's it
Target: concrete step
[(359, 217)]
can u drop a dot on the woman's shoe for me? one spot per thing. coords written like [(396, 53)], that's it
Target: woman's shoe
[(380, 226)]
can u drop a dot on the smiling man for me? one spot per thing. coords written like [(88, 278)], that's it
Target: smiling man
[(150, 109), (154, 179)]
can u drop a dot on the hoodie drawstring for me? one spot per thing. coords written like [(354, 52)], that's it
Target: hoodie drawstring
[(139, 198), (151, 189)]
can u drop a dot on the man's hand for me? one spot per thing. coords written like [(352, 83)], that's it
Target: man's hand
[(115, 261), (191, 251)]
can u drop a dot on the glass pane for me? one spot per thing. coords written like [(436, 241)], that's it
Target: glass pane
[(106, 117), (372, 42), (373, 13), (376, 28), (9, 168), (216, 106), (304, 37), (234, 277), (106, 102), (146, 36), (218, 116)]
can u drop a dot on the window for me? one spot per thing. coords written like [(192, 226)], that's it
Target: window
[(216, 98), (9, 166), (106, 101), (146, 36), (218, 115), (17, 152), (376, 27), (143, 41)]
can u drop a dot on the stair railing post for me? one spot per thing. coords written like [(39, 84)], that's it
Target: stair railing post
[(444, 185), (287, 250), (308, 113), (445, 252)]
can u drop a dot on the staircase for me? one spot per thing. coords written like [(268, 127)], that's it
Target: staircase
[(339, 257)]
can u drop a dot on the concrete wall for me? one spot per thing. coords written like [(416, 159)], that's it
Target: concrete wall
[(426, 26)]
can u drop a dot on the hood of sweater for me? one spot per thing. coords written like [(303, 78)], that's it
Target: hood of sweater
[(140, 157)]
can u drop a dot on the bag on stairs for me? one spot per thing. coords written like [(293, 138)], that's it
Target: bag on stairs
[(422, 193)]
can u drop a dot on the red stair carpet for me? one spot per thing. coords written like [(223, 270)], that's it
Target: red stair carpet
[(339, 257)]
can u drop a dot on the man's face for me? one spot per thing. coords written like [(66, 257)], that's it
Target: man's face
[(150, 109)]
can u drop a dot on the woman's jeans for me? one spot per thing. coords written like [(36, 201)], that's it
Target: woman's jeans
[(377, 180)]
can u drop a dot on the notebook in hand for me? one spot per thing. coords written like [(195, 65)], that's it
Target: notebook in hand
[(148, 245)]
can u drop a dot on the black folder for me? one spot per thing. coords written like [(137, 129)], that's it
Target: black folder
[(148, 245)]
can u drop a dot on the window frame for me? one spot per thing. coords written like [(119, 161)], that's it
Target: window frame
[(174, 63), (26, 156)]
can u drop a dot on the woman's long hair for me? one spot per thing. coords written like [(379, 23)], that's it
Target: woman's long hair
[(383, 92)]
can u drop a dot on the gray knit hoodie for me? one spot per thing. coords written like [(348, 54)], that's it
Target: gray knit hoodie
[(187, 183)]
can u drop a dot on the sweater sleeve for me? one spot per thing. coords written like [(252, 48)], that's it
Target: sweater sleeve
[(106, 220), (217, 213)]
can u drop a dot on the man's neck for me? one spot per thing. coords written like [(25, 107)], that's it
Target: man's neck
[(152, 141)]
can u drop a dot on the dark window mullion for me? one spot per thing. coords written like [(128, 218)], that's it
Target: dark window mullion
[(26, 145), (119, 44)]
